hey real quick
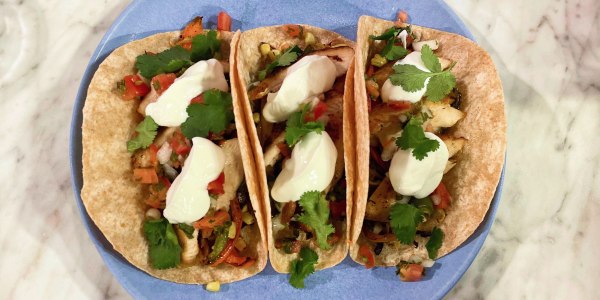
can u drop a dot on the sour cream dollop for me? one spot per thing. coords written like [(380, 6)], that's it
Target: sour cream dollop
[(310, 168), (170, 107), (310, 76), (418, 178), (390, 92), (187, 198)]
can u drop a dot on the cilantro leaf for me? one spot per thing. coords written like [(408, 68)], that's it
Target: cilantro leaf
[(303, 266), (394, 52), (146, 133), (187, 229), (391, 51), (439, 86), (431, 62), (413, 137), (315, 215), (163, 247), (285, 59), (435, 242), (404, 219), (409, 77), (204, 46), (168, 61), (412, 79), (392, 32), (296, 128), (211, 116)]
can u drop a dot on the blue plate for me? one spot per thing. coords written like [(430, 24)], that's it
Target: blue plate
[(143, 18)]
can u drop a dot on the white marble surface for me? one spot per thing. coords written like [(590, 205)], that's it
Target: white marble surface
[(548, 227)]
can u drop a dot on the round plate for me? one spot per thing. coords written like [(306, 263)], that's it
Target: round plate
[(143, 18)]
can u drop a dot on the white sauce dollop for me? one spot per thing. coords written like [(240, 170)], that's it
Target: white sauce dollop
[(187, 198), (390, 92), (170, 107), (418, 178), (310, 168)]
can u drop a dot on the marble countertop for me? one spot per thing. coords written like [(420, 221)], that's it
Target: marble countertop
[(547, 228)]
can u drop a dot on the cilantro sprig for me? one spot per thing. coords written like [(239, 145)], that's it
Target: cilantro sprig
[(303, 266), (296, 127), (211, 116), (146, 132), (163, 247), (404, 219), (413, 137), (392, 51), (204, 46), (283, 60), (435, 242), (315, 215), (411, 79)]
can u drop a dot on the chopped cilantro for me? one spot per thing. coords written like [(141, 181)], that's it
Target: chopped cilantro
[(163, 247), (211, 116), (285, 59), (435, 242), (303, 266), (168, 61), (146, 133), (413, 137), (392, 51), (412, 79), (296, 127), (404, 219), (187, 229), (315, 215), (204, 46)]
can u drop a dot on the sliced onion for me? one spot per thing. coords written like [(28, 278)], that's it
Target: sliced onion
[(164, 153), (436, 199), (170, 171)]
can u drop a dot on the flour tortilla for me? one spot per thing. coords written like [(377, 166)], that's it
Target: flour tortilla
[(112, 199), (472, 182), (248, 64)]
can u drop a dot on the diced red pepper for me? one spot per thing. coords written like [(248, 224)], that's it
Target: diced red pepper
[(198, 99), (285, 150), (210, 222), (179, 144), (235, 258), (215, 187), (367, 254), (399, 105), (192, 29), (337, 208), (316, 112), (236, 215), (133, 87), (411, 272), (145, 175), (292, 30), (223, 22), (153, 150), (445, 199), (162, 82)]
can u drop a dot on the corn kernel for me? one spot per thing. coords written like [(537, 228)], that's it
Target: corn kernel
[(214, 286), (256, 117), (378, 60), (247, 217), (309, 39), (265, 49), (274, 53), (232, 231)]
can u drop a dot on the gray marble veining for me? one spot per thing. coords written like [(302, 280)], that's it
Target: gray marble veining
[(547, 228)]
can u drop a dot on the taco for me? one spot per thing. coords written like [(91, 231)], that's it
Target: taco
[(291, 81), (163, 174), (430, 143)]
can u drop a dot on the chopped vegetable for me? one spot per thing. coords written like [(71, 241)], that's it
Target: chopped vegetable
[(391, 51), (264, 49), (248, 218), (162, 82), (222, 233), (168, 61), (413, 137), (404, 219), (435, 242), (235, 258), (410, 272), (163, 246), (293, 30), (444, 197), (309, 39), (425, 206), (179, 144), (287, 212), (283, 60), (316, 215), (223, 22), (378, 60), (214, 115), (372, 89), (410, 78), (132, 87), (146, 132), (367, 255), (209, 222), (187, 229), (338, 208), (145, 175), (214, 286), (318, 110), (296, 127), (215, 187), (193, 28), (303, 266)]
